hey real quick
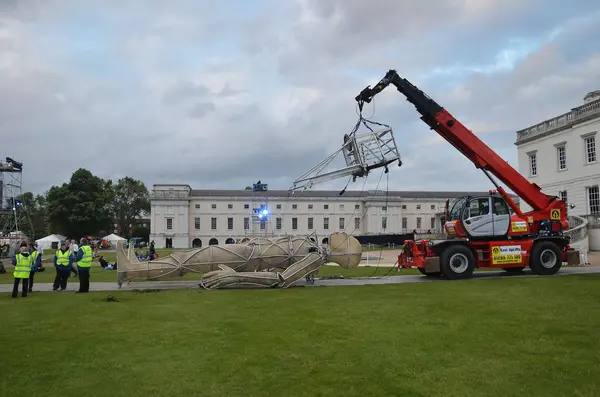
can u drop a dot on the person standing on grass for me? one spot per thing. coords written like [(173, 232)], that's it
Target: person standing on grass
[(63, 262), (84, 265), (22, 264), (71, 248), (36, 263)]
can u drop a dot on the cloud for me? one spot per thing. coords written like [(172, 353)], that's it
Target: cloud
[(220, 94)]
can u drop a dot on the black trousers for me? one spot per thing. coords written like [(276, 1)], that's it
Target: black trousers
[(16, 287), (62, 275), (31, 274), (84, 279)]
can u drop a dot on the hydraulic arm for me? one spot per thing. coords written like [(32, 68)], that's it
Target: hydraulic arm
[(484, 158)]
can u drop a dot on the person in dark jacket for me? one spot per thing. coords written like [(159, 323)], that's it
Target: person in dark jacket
[(36, 263), (22, 264), (63, 262)]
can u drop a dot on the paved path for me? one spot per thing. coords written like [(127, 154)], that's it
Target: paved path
[(167, 285)]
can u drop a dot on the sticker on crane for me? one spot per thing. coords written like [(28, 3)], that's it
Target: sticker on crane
[(518, 227), (555, 215), (504, 255)]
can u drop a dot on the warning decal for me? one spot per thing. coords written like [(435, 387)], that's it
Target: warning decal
[(518, 227), (555, 215), (503, 255)]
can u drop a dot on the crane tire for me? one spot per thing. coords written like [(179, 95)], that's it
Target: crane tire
[(546, 258), (457, 262), (430, 274)]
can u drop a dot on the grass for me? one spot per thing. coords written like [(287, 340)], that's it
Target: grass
[(501, 337)]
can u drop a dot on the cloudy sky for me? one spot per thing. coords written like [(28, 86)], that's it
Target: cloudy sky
[(218, 94)]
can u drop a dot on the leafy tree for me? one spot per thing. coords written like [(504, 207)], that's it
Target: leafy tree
[(82, 206), (143, 232), (36, 208), (248, 188), (130, 201)]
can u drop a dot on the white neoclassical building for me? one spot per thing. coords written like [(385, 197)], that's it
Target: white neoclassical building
[(182, 217), (560, 155)]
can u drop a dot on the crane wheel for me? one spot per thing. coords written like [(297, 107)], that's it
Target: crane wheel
[(431, 274), (546, 258), (457, 262), (513, 269)]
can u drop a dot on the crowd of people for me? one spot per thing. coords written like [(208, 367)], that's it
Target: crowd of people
[(70, 258)]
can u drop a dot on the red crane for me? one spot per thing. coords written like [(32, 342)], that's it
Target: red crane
[(488, 231)]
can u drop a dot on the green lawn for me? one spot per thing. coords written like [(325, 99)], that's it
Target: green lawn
[(501, 337)]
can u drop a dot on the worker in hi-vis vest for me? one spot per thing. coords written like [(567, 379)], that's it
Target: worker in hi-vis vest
[(36, 263), (22, 264), (63, 262), (84, 264)]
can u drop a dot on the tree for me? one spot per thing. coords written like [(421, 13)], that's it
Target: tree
[(130, 201), (36, 208), (82, 206)]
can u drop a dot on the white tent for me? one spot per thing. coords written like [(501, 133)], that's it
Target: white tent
[(113, 238), (50, 242)]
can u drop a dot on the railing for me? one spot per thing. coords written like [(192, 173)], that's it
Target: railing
[(577, 113), (169, 194), (579, 228)]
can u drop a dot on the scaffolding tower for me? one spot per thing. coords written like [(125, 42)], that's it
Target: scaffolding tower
[(15, 222)]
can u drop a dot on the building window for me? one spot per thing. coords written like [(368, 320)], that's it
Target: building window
[(594, 200), (197, 206), (246, 223), (214, 206), (404, 223), (278, 206), (294, 223), (213, 223), (310, 223), (326, 206), (418, 207), (403, 206), (532, 164), (278, 223), (229, 223), (432, 226), (342, 222), (563, 195), (230, 206), (263, 224), (310, 206), (590, 149), (384, 222), (384, 208), (326, 223), (433, 206), (357, 206), (197, 223), (419, 223), (341, 206), (357, 223), (294, 206), (246, 206), (169, 223), (561, 153)]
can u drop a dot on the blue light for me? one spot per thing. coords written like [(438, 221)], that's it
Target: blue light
[(265, 212)]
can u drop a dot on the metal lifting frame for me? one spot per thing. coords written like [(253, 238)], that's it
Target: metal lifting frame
[(362, 153)]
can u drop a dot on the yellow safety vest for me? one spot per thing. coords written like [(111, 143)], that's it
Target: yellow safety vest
[(86, 260), (23, 267), (62, 259), (34, 255)]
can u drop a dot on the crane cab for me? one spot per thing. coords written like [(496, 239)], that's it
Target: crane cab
[(482, 218)]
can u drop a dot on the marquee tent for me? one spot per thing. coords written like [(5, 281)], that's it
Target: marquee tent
[(50, 242), (113, 239)]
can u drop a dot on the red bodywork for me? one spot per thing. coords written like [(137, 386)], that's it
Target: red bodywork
[(524, 226)]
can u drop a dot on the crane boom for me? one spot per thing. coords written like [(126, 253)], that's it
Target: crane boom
[(459, 136)]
